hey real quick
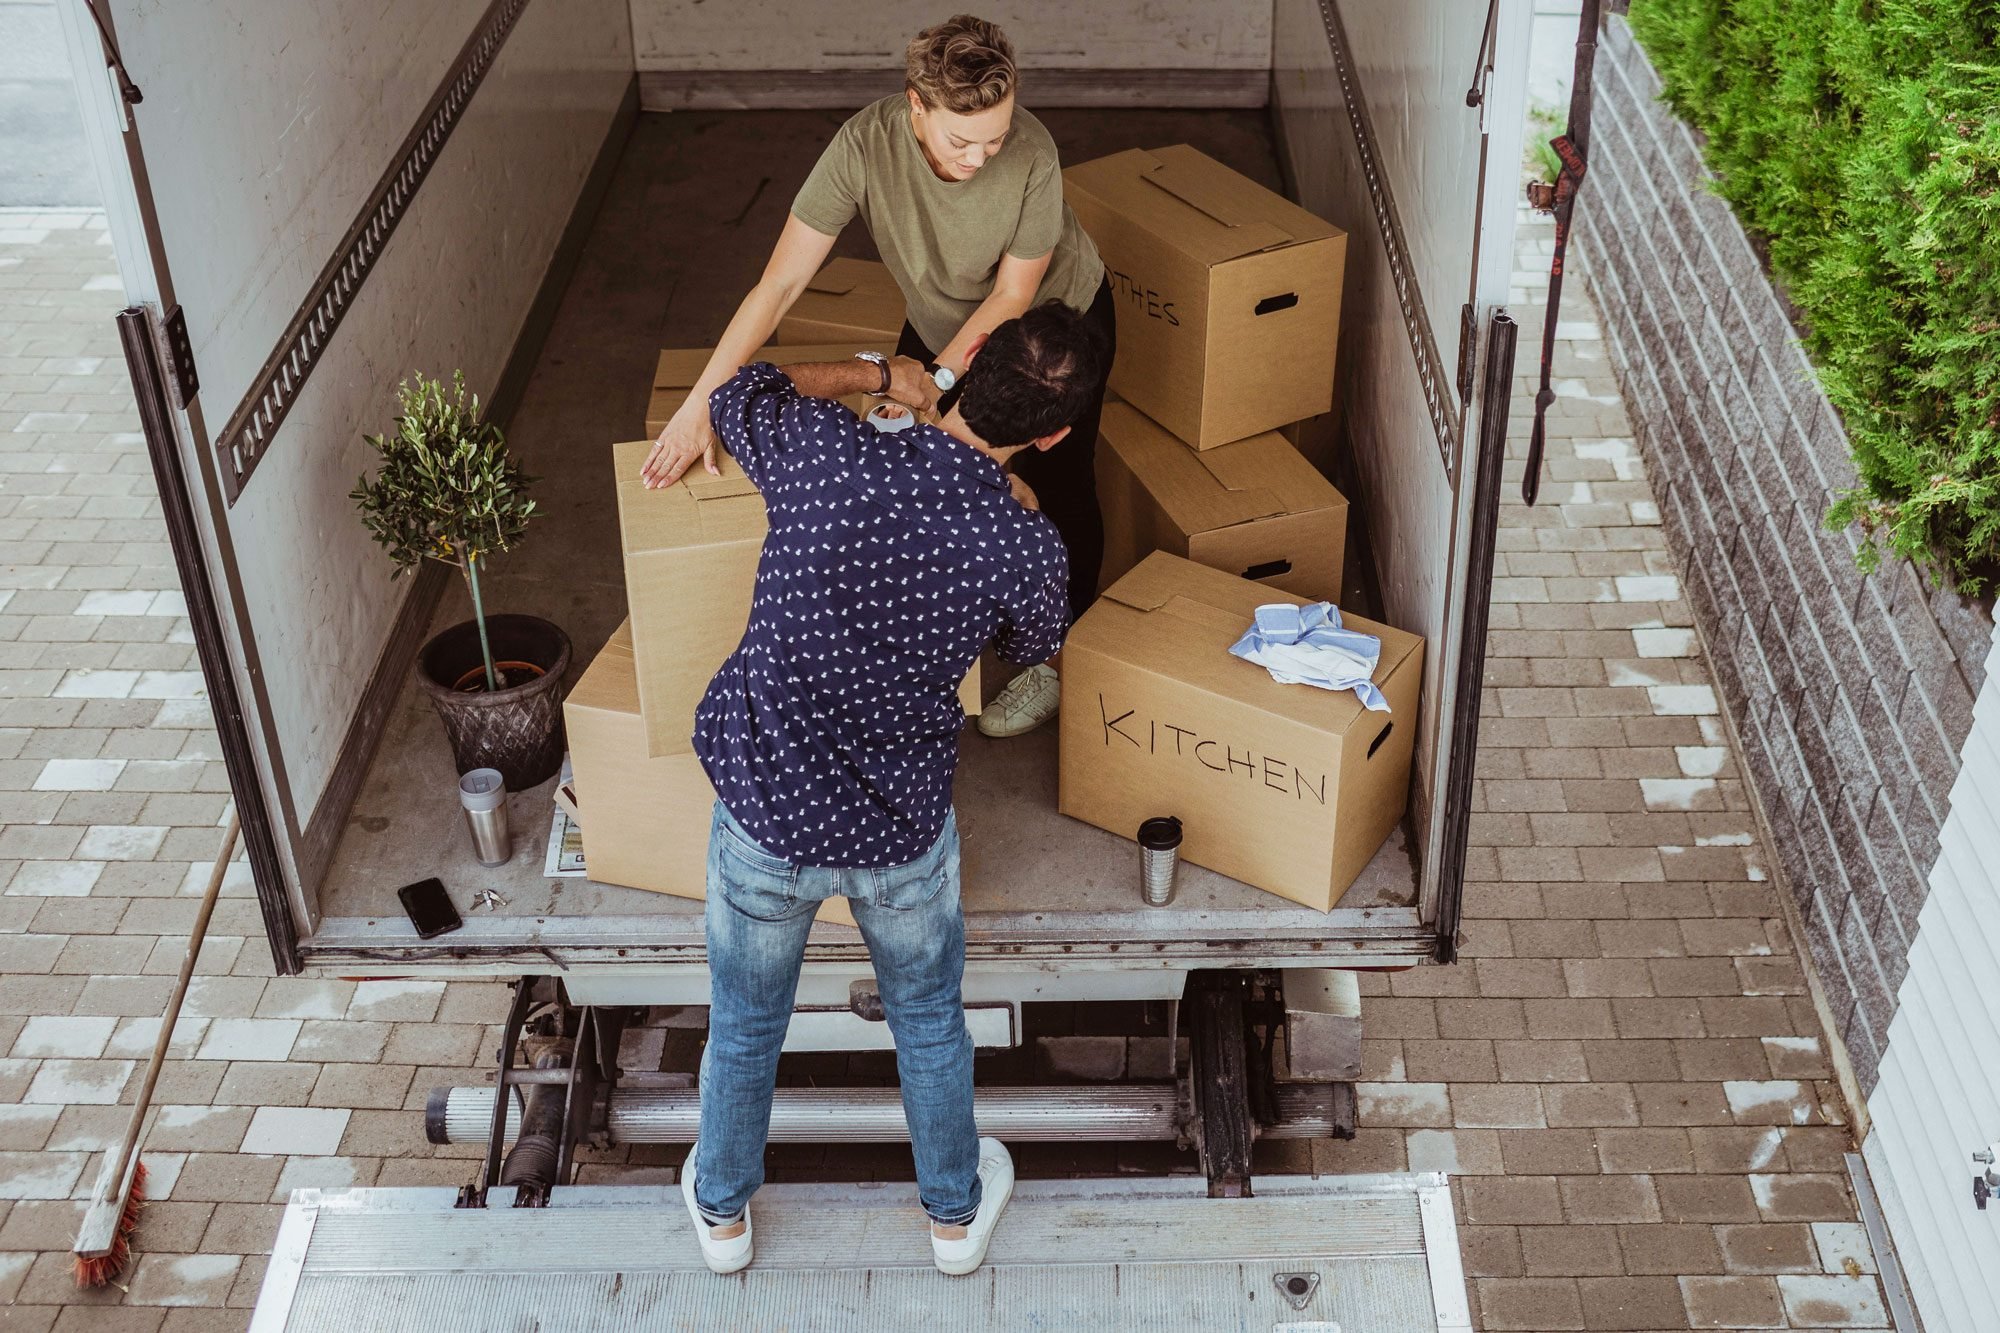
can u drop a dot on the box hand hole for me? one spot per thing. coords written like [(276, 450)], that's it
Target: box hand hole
[(1270, 569), (1274, 303), (1376, 744)]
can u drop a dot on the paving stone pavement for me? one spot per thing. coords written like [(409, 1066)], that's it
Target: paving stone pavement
[(1626, 1076)]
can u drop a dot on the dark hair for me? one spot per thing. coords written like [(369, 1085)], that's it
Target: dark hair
[(1035, 375)]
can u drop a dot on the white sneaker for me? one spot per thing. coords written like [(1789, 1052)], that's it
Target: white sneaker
[(1030, 699), (996, 1185), (722, 1254)]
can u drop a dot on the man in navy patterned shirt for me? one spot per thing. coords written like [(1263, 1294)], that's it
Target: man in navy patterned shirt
[(831, 734)]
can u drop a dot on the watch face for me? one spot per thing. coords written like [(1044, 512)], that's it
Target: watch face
[(943, 378)]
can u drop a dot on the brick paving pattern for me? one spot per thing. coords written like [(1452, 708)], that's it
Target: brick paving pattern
[(1626, 1076)]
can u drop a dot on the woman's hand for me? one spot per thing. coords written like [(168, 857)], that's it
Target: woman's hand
[(689, 436)]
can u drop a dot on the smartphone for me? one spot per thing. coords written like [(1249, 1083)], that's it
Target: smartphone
[(429, 908)]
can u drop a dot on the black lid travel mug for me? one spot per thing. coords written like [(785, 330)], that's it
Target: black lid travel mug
[(1159, 857)]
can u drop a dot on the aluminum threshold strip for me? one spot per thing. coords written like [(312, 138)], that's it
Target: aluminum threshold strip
[(1432, 374), (1101, 1112), (1895, 1289), (253, 426), (1281, 938), (1381, 1250)]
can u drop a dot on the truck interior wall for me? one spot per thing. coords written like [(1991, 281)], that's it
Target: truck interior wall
[(1412, 61), (782, 54), (265, 131)]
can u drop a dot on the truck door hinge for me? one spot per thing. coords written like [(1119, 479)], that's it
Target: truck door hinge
[(182, 377)]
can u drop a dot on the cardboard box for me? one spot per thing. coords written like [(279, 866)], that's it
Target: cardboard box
[(680, 367), (1287, 787), (1228, 295), (1254, 508), (648, 816), (850, 300), (691, 552)]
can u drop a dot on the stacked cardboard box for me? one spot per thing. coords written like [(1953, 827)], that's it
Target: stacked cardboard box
[(1228, 300)]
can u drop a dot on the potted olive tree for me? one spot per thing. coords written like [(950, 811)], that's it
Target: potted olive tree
[(448, 490)]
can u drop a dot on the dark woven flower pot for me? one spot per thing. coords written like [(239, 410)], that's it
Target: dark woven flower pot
[(518, 730)]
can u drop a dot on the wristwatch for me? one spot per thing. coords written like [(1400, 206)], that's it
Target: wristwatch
[(940, 375), (881, 363)]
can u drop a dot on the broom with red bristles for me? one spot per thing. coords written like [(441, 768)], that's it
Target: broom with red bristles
[(104, 1243)]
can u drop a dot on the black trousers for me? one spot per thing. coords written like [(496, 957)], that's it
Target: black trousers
[(1064, 478)]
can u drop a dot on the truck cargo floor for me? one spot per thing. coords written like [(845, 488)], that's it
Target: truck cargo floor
[(1365, 1254)]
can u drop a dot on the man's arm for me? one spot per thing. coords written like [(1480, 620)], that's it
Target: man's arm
[(838, 379), (761, 413)]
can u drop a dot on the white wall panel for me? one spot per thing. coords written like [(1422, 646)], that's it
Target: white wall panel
[(266, 125), (869, 34), (1937, 1099), (1414, 60)]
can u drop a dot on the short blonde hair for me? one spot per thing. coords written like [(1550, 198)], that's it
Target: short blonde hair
[(964, 64)]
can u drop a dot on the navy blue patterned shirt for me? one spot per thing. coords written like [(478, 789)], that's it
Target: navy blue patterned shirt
[(831, 733)]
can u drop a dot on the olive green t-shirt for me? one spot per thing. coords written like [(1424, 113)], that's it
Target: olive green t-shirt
[(942, 240)]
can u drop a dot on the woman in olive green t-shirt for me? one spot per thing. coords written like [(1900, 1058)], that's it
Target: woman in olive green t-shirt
[(962, 192)]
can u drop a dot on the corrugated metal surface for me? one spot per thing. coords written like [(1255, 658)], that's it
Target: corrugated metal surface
[(1938, 1099), (1151, 1254)]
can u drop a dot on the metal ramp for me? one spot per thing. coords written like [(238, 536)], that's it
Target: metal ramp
[(1347, 1254)]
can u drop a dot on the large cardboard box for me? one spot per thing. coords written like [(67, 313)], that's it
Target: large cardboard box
[(644, 818), (850, 300), (1254, 508), (1228, 295), (1287, 787), (680, 367), (691, 552)]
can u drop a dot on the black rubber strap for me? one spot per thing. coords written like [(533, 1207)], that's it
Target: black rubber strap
[(1572, 149)]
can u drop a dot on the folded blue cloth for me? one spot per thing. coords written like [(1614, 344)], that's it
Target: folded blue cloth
[(1305, 645)]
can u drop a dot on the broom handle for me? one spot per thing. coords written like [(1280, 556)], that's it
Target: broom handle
[(166, 1037)]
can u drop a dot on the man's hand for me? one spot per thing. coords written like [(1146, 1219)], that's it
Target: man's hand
[(1021, 491), (911, 385), (689, 435)]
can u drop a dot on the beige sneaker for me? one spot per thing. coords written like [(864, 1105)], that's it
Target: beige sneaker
[(1030, 699)]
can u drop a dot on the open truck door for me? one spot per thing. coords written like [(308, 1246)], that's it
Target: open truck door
[(272, 179), (311, 202), (1410, 117)]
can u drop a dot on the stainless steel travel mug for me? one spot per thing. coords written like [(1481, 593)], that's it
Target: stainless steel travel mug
[(1159, 857), (483, 793)]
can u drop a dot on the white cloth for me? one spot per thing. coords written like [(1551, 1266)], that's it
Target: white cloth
[(1305, 645)]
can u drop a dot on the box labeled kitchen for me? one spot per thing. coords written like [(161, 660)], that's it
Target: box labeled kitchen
[(850, 300), (1287, 787), (645, 818), (1228, 295), (1255, 508)]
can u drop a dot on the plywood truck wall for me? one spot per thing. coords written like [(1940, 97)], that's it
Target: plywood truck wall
[(708, 53), (264, 130), (1414, 63)]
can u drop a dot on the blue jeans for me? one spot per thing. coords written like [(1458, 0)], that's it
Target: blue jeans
[(760, 908)]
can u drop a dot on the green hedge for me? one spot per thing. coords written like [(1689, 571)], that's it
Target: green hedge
[(1860, 139)]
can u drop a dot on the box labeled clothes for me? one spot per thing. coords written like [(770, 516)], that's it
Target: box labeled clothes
[(1228, 294), (1287, 787), (645, 817), (1254, 508), (850, 300)]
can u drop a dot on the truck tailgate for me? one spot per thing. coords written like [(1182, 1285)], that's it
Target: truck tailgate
[(1374, 1253)]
